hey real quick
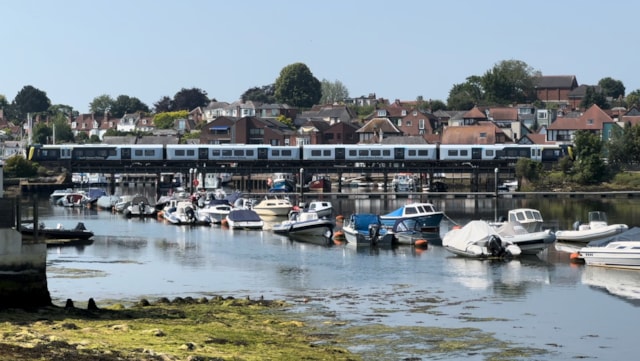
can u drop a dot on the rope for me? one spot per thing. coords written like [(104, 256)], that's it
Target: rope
[(451, 220)]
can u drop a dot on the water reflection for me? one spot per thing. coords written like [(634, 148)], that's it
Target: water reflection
[(621, 283)]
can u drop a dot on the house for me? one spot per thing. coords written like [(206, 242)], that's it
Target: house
[(363, 101), (342, 133), (555, 89), (577, 95), (275, 111), (245, 130), (328, 113), (9, 148), (482, 133), (376, 129), (214, 110), (311, 132), (564, 128)]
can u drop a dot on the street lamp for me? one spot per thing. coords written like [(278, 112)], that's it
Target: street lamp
[(474, 185), (495, 181), (192, 173), (301, 181)]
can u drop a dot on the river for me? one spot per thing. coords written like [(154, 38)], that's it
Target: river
[(546, 302)]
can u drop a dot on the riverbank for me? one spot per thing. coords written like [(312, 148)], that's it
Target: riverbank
[(180, 329)]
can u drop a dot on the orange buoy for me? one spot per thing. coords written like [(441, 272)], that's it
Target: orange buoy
[(422, 243), (340, 218), (456, 227), (338, 237), (575, 258)]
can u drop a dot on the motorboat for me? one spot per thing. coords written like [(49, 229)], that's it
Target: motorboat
[(273, 205), (217, 210), (363, 229), (303, 223), (529, 242), (244, 219), (597, 228), (74, 199), (619, 251), (529, 218), (107, 201), (185, 212), (58, 194), (411, 231), (426, 211), (79, 232), (404, 182), (92, 195), (282, 182), (322, 208), (479, 239), (123, 202), (320, 183), (139, 207)]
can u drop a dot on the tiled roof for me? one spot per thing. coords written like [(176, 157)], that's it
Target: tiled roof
[(556, 82), (377, 124)]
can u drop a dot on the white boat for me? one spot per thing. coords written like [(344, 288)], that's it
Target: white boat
[(404, 182), (425, 211), (58, 194), (529, 242), (107, 201), (74, 199), (322, 208), (217, 210), (619, 251), (479, 239), (363, 229), (244, 219), (597, 228), (305, 224), (139, 207), (529, 218), (184, 212), (272, 205), (123, 202)]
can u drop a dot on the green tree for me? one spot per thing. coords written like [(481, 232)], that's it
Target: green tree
[(125, 104), (166, 120), (333, 92), (189, 99), (82, 138), (466, 95), (297, 86), (591, 97), (589, 165), (633, 99), (286, 121), (612, 88), (101, 104), (165, 104), (263, 94), (623, 147), (63, 132), (42, 133), (30, 100), (18, 166), (3, 102), (510, 82), (94, 138)]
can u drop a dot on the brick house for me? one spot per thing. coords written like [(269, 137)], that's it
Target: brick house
[(246, 130), (555, 89), (482, 133), (564, 128)]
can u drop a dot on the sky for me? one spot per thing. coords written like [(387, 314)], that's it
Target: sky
[(77, 50)]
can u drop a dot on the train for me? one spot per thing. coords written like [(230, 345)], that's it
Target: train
[(285, 155)]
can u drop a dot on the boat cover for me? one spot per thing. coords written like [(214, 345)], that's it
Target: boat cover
[(474, 232), (361, 221), (633, 234), (244, 215)]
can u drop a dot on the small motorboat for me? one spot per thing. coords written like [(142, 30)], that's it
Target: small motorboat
[(529, 242), (404, 182), (426, 211), (529, 218), (320, 183), (185, 212), (282, 183), (79, 232), (73, 199), (244, 219), (322, 208), (411, 231), (58, 194), (363, 229), (107, 201), (597, 228), (273, 205), (139, 207), (217, 210), (619, 251), (302, 223), (479, 239)]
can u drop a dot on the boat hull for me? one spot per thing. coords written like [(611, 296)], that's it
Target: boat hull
[(615, 255), (589, 235)]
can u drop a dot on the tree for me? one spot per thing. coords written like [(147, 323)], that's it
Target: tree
[(466, 95), (41, 133), (286, 121), (633, 99), (189, 99), (61, 109), (101, 104), (30, 100), (18, 166), (3, 101), (591, 97), (263, 94), (623, 147), (167, 119), (509, 82), (333, 92), (590, 167), (165, 104), (62, 130), (125, 104), (612, 88), (297, 86)]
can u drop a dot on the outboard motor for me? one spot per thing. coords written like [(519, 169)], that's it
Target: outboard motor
[(494, 245), (191, 216), (374, 231)]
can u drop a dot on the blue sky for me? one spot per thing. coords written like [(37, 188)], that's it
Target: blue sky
[(76, 50)]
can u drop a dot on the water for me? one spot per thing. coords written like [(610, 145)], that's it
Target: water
[(545, 302)]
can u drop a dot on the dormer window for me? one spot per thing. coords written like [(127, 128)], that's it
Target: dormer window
[(382, 112), (589, 121), (404, 112), (415, 113)]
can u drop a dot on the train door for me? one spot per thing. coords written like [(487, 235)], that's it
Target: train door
[(340, 154), (203, 153), (398, 153), (476, 153), (125, 153), (263, 153)]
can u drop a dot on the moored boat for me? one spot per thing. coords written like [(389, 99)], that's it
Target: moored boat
[(305, 224), (478, 239), (529, 242), (363, 229), (244, 219), (597, 228), (273, 205), (426, 211), (619, 251), (79, 232)]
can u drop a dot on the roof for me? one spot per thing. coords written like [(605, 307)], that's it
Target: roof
[(592, 119), (469, 134), (379, 124), (556, 82), (474, 113), (504, 113)]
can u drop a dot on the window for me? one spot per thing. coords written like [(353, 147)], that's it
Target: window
[(483, 134), (408, 123), (404, 112), (589, 121), (399, 122), (382, 112), (421, 124), (452, 152)]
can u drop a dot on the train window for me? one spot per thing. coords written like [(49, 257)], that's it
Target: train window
[(464, 152), (353, 153), (238, 153), (489, 153), (327, 152), (363, 153), (149, 152), (286, 152), (411, 153), (452, 152), (375, 153), (386, 152), (316, 153), (227, 153), (179, 153), (249, 153), (191, 152), (275, 152)]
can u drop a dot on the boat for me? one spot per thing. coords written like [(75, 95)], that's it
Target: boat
[(92, 195), (185, 212), (139, 207), (217, 210), (404, 182), (479, 239), (619, 251), (74, 199), (528, 242), (363, 229), (282, 183), (320, 183), (244, 219), (273, 205), (529, 218), (107, 201), (430, 216), (58, 194), (322, 208), (302, 223), (123, 202), (597, 228), (79, 232), (411, 231)]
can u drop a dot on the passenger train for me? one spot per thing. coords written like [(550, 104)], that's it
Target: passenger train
[(334, 154)]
